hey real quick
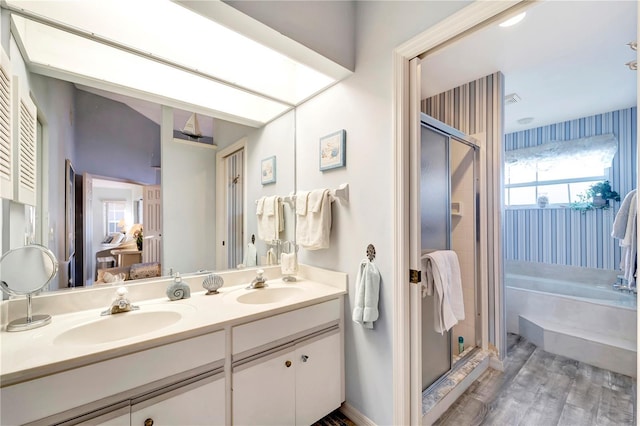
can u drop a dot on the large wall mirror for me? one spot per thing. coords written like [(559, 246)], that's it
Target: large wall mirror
[(195, 208)]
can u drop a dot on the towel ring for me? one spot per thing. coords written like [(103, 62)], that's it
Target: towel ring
[(371, 252)]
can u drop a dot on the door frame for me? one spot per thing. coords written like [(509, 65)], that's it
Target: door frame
[(221, 197), (407, 405)]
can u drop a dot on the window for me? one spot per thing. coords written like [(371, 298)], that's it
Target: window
[(560, 170), (113, 216)]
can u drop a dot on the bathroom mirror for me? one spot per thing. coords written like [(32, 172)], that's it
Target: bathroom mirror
[(24, 271)]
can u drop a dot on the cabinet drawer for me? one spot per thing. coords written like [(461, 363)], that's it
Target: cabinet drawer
[(107, 378), (271, 330)]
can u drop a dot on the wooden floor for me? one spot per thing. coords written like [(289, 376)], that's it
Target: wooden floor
[(541, 389)]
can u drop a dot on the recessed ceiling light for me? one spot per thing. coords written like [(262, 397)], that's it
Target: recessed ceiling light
[(514, 20), (525, 120)]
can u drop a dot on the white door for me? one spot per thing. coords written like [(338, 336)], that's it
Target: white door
[(198, 403), (88, 272), (264, 391), (318, 379), (152, 224)]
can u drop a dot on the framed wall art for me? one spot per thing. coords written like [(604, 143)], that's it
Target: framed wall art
[(333, 150), (268, 170)]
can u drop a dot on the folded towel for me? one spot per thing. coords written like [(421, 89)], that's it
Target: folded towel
[(367, 294), (271, 257), (313, 229), (288, 263), (447, 283), (316, 198), (301, 202), (260, 205), (271, 221), (250, 256)]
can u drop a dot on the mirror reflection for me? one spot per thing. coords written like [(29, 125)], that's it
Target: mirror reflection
[(193, 210)]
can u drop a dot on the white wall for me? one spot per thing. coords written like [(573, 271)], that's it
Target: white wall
[(362, 105)]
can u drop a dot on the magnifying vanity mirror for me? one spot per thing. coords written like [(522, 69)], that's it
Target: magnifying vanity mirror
[(23, 272)]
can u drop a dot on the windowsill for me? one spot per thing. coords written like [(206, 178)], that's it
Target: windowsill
[(535, 207)]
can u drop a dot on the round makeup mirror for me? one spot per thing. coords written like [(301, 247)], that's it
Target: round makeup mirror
[(24, 271)]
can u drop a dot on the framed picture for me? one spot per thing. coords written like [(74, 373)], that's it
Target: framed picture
[(333, 150), (268, 170)]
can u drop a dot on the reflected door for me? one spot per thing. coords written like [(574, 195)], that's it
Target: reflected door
[(152, 223)]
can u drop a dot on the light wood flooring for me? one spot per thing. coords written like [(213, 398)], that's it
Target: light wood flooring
[(541, 389)]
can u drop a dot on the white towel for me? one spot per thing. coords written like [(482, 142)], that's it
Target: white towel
[(427, 277), (271, 257), (621, 221), (447, 283), (301, 202), (288, 263), (270, 218), (250, 255), (313, 228), (624, 229), (365, 311)]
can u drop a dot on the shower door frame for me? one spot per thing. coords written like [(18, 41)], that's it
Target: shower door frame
[(452, 135)]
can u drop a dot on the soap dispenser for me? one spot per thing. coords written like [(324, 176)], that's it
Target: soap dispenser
[(177, 289)]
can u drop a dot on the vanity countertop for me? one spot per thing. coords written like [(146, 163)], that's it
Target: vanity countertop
[(35, 353)]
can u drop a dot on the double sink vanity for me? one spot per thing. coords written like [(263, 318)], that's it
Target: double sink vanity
[(273, 355)]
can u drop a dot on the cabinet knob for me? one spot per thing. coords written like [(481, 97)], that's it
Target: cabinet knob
[(287, 363), (148, 422), (305, 358)]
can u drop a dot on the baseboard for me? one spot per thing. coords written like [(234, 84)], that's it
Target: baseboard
[(355, 415)]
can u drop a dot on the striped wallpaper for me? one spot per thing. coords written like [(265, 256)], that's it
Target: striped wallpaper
[(565, 236)]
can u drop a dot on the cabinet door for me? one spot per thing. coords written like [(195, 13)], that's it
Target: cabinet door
[(318, 379), (197, 403), (263, 391)]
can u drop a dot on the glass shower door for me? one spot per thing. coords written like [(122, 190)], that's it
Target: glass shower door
[(435, 226)]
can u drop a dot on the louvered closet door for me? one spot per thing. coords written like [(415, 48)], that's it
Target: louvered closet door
[(6, 144), (25, 122)]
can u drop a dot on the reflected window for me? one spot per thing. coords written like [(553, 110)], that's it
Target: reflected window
[(113, 216)]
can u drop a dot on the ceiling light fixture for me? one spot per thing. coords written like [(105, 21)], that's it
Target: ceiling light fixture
[(513, 20)]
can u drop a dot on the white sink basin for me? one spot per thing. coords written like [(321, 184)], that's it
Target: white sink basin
[(269, 295), (118, 327)]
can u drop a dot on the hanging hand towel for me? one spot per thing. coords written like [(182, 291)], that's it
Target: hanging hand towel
[(313, 228), (269, 218), (288, 264), (250, 255), (367, 294), (448, 303)]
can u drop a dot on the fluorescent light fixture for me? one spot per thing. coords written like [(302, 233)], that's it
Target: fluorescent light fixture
[(163, 48), (514, 20), (83, 60)]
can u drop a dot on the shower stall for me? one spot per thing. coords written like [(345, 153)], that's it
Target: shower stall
[(449, 220)]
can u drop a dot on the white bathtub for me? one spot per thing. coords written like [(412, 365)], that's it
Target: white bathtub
[(602, 293), (582, 318)]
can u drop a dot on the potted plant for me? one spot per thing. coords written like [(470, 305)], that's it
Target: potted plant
[(601, 193), (597, 196)]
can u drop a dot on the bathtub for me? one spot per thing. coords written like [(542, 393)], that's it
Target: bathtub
[(573, 312)]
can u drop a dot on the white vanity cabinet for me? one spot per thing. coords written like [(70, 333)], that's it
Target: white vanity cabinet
[(298, 378)]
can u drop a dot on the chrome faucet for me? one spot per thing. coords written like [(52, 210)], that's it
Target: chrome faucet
[(120, 303), (258, 281)]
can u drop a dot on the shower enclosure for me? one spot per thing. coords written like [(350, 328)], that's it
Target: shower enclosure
[(448, 221)]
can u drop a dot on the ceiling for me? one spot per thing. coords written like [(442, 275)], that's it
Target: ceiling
[(565, 60)]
